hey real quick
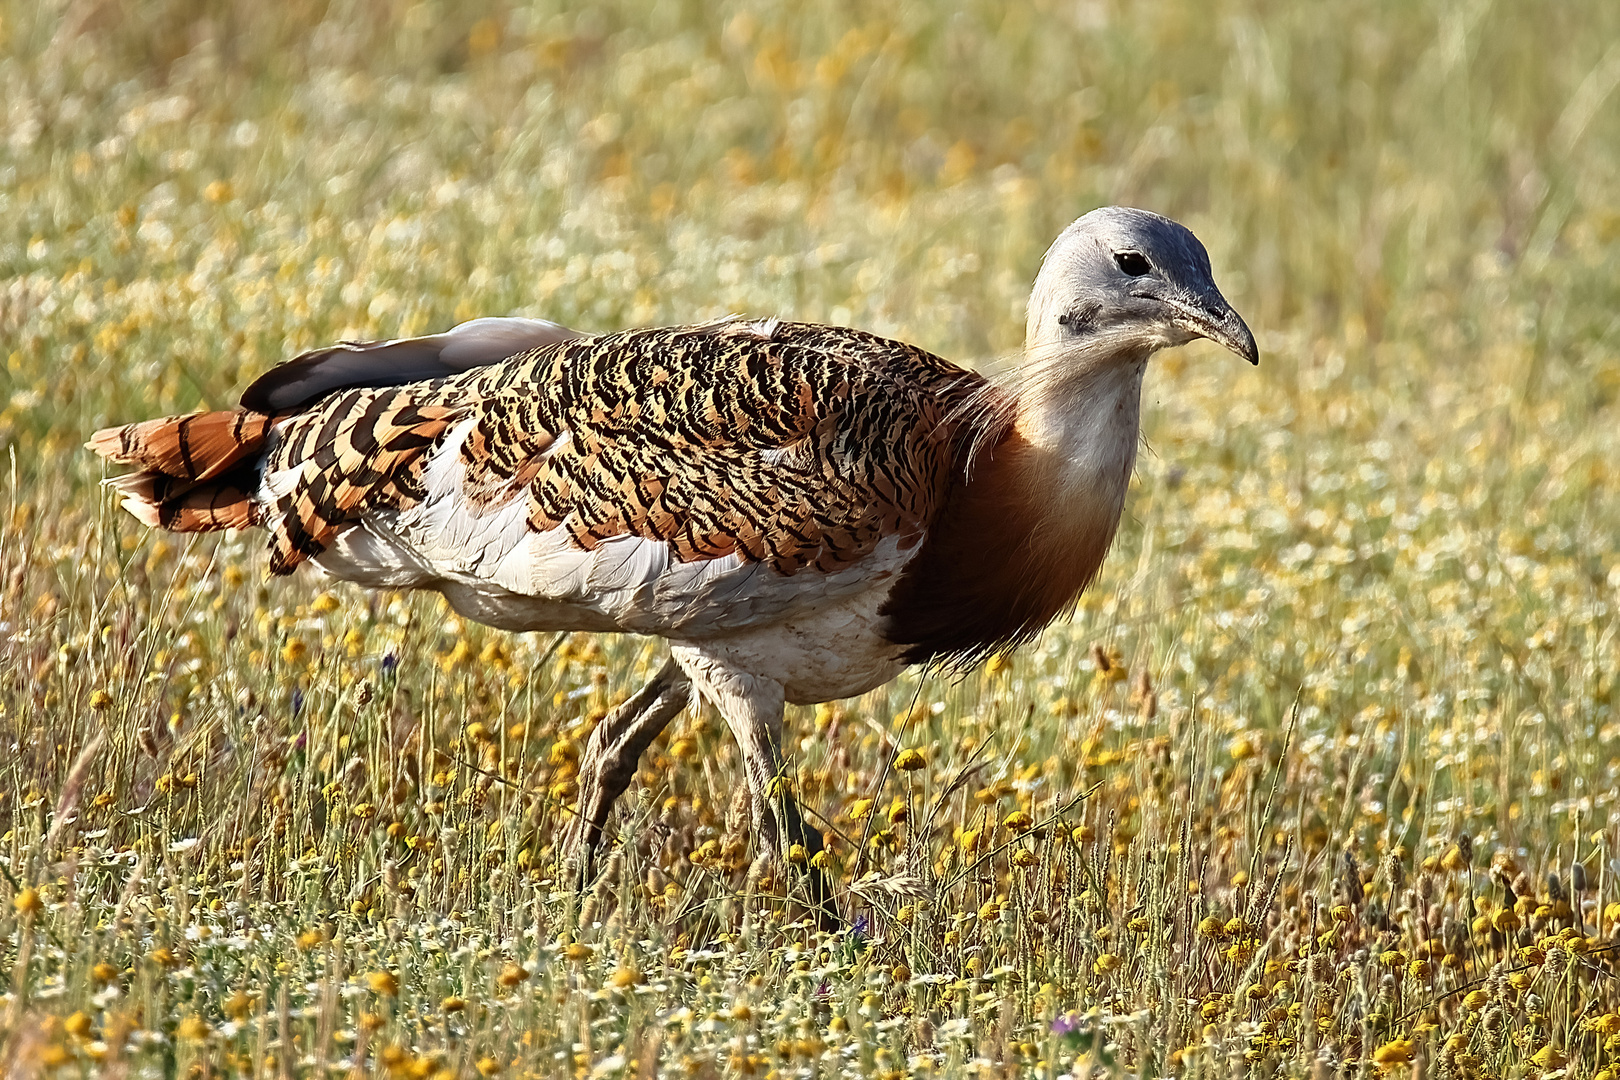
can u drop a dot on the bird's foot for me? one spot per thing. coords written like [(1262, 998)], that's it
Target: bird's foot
[(788, 850)]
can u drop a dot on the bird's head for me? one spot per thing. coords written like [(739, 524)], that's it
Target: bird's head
[(1133, 282)]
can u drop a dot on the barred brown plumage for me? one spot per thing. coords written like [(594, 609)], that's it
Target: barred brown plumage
[(802, 510)]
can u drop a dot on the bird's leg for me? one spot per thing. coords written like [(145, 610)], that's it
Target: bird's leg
[(613, 753), (752, 707), (795, 831)]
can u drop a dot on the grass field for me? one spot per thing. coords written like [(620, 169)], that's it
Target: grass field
[(1321, 780)]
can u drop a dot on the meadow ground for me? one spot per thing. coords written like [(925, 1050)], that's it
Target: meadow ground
[(1320, 780)]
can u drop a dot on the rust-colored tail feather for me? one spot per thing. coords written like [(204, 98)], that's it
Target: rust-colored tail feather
[(197, 470)]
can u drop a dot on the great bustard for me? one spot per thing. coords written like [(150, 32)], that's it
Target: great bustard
[(801, 510)]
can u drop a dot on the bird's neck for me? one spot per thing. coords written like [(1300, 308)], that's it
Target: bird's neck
[(1076, 435)]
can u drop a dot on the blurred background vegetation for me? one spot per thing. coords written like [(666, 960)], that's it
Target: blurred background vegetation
[(1424, 189), (1370, 585)]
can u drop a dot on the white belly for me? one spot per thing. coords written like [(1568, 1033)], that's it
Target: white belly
[(835, 651), (815, 634)]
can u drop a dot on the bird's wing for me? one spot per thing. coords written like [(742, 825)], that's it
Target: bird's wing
[(684, 478), (309, 377)]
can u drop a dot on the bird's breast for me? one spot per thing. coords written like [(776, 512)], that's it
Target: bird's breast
[(1026, 525)]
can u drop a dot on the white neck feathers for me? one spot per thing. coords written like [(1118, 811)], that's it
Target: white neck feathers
[(1080, 423)]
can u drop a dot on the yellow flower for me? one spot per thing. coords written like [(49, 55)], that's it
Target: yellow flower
[(1108, 962), (1549, 1057), (1018, 821), (910, 760), (512, 974), (452, 1004), (238, 1005), (1210, 926), (77, 1025), (100, 699), (1393, 1053), (28, 902), (459, 654), (385, 983), (193, 1029), (1025, 857), (624, 977), (579, 951)]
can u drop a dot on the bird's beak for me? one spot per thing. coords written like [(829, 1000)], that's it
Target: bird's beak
[(1213, 318)]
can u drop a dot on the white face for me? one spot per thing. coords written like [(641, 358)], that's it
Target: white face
[(1131, 282)]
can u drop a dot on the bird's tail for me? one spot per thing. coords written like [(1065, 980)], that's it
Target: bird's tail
[(197, 473)]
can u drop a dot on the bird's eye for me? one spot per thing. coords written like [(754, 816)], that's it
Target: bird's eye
[(1133, 263)]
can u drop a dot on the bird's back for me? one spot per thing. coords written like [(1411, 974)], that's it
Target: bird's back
[(683, 480)]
